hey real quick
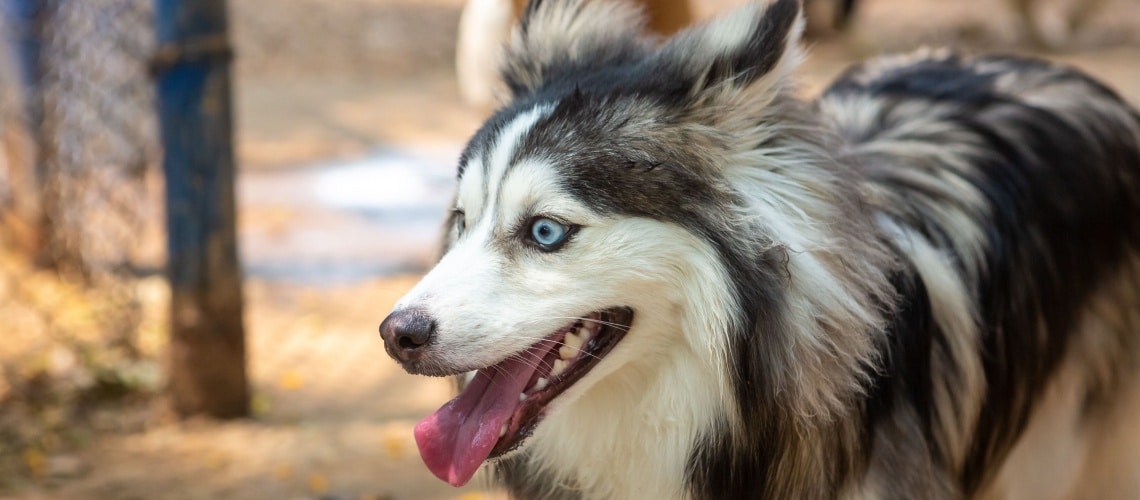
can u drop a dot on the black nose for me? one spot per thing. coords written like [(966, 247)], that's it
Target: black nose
[(406, 333)]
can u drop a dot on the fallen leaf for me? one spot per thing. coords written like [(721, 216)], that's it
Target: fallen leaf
[(36, 461), (318, 483), (395, 447), (291, 380), (260, 404)]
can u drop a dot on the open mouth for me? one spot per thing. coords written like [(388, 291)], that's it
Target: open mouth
[(503, 404)]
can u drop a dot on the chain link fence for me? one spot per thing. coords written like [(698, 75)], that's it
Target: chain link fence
[(82, 145), (98, 134)]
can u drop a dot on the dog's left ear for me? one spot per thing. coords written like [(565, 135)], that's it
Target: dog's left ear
[(559, 39), (740, 61)]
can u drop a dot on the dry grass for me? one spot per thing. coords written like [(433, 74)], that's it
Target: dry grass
[(77, 360)]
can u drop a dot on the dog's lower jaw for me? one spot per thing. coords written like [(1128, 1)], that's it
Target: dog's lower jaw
[(597, 443)]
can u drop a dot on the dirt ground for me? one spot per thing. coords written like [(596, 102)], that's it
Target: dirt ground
[(319, 80)]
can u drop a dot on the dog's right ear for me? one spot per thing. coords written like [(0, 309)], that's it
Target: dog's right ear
[(732, 68), (558, 38)]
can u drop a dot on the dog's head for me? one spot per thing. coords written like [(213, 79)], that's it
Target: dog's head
[(594, 214)]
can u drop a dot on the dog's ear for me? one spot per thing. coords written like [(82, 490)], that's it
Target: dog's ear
[(738, 62), (560, 38)]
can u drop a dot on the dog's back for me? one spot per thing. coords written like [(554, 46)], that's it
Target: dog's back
[(1013, 186)]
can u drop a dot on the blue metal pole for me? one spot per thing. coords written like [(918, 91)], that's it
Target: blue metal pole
[(207, 368), (23, 22)]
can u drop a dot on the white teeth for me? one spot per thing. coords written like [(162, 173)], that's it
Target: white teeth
[(540, 384), (503, 430), (522, 396), (568, 351), (572, 344), (559, 367), (573, 340), (585, 333)]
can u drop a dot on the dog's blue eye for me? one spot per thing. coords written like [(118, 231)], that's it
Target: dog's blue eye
[(548, 233)]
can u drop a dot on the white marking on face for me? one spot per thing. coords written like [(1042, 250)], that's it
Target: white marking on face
[(471, 188), (505, 146), (532, 189)]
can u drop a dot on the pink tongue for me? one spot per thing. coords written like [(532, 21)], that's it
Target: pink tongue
[(458, 437)]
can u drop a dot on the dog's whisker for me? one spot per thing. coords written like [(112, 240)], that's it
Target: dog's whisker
[(558, 343), (618, 326)]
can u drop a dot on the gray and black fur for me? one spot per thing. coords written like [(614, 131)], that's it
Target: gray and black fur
[(979, 212)]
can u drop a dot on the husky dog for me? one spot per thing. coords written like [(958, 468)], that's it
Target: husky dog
[(672, 278)]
